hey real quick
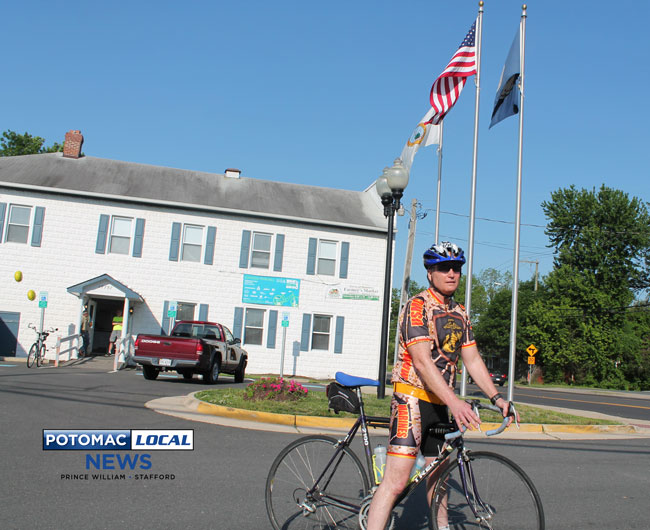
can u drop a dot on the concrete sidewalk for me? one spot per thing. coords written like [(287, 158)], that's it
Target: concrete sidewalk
[(190, 408)]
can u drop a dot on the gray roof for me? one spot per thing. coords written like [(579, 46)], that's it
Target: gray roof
[(113, 179)]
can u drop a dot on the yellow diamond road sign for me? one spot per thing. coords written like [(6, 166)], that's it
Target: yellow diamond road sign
[(532, 350)]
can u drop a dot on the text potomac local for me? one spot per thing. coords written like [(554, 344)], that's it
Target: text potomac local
[(118, 439)]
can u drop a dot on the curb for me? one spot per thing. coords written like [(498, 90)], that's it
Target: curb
[(292, 420)]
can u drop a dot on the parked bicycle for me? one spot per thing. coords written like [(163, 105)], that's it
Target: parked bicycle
[(38, 349), (320, 482)]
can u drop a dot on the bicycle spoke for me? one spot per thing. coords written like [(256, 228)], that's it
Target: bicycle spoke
[(293, 498), (497, 495)]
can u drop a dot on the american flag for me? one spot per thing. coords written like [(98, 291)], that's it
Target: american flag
[(450, 83)]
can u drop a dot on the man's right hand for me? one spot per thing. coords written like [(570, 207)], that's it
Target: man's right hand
[(463, 414)]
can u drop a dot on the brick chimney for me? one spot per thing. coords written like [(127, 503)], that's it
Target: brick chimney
[(72, 146)]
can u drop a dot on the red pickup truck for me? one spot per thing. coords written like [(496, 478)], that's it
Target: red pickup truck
[(193, 347)]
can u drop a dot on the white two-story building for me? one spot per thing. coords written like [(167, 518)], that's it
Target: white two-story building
[(286, 267)]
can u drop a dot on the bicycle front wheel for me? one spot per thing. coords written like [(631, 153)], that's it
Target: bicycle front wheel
[(41, 356), (313, 484), (31, 356), (499, 496)]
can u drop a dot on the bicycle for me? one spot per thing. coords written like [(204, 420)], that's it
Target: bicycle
[(38, 349), (319, 481)]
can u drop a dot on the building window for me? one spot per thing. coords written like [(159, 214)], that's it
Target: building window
[(192, 243), (320, 336), (185, 311), (254, 326), (120, 240), (18, 223), (261, 250), (326, 258)]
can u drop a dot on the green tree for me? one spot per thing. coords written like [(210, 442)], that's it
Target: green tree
[(601, 241), (14, 144)]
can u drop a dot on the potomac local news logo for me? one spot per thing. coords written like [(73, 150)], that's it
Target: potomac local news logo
[(110, 450)]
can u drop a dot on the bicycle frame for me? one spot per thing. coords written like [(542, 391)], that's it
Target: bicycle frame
[(454, 442)]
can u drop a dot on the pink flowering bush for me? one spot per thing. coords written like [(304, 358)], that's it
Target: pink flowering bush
[(275, 389)]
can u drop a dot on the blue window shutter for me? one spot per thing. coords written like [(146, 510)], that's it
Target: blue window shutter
[(203, 312), (338, 336), (3, 210), (311, 256), (209, 245), (164, 322), (345, 254), (306, 331), (279, 251), (237, 322), (175, 242), (138, 239), (273, 327), (245, 249), (37, 232), (102, 233)]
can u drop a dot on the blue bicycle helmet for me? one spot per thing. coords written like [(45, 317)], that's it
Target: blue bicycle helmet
[(443, 252)]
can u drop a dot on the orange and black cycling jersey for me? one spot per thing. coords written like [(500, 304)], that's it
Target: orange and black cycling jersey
[(447, 329)]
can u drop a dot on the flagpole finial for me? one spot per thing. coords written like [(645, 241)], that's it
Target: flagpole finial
[(481, 3)]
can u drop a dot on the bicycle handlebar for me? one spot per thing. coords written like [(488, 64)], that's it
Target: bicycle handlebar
[(476, 406)]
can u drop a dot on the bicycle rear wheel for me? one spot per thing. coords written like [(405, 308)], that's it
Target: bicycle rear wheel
[(41, 356), (333, 502), (31, 356), (499, 491)]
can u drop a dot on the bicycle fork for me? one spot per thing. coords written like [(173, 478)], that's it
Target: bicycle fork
[(473, 498)]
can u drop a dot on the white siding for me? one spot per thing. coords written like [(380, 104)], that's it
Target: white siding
[(67, 257)]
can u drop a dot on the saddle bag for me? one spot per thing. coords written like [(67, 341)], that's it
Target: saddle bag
[(341, 398)]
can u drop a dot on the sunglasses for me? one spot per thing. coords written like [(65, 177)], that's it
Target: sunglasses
[(446, 267)]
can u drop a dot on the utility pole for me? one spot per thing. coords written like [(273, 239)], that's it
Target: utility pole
[(536, 262), (407, 268)]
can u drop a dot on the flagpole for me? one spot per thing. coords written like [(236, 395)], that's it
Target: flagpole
[(472, 209), (437, 240), (515, 268)]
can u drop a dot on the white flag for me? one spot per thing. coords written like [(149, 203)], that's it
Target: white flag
[(425, 133)]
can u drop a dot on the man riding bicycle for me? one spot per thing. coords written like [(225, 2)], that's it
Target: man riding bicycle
[(434, 332)]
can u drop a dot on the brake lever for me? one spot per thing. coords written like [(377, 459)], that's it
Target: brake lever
[(512, 411)]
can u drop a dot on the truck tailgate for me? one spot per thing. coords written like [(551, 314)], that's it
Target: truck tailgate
[(169, 347)]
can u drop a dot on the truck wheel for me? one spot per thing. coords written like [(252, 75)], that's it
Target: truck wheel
[(239, 372), (150, 372), (210, 377)]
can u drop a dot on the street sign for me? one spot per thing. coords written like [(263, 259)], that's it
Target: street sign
[(532, 350), (171, 309), (42, 299), (531, 360), (285, 320)]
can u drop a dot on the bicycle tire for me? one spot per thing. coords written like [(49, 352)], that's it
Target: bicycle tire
[(31, 356), (41, 355), (503, 487), (295, 471)]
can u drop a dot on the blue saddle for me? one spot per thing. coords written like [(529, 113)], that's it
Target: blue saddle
[(352, 380)]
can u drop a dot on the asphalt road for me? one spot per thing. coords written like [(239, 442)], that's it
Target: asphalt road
[(584, 484), (612, 403)]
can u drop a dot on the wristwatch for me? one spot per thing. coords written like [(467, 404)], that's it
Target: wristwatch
[(496, 397)]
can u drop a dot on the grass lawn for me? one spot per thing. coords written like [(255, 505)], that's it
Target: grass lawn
[(315, 404)]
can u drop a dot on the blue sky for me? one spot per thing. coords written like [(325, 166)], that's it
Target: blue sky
[(326, 94)]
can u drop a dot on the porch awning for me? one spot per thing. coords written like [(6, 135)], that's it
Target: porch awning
[(104, 286)]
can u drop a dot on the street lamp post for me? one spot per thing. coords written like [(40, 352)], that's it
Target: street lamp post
[(390, 187)]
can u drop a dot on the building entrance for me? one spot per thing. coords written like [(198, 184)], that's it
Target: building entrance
[(102, 318)]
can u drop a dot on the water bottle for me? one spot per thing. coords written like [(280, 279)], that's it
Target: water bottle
[(418, 466), (379, 462)]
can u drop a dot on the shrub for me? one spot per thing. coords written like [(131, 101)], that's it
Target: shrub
[(275, 389)]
